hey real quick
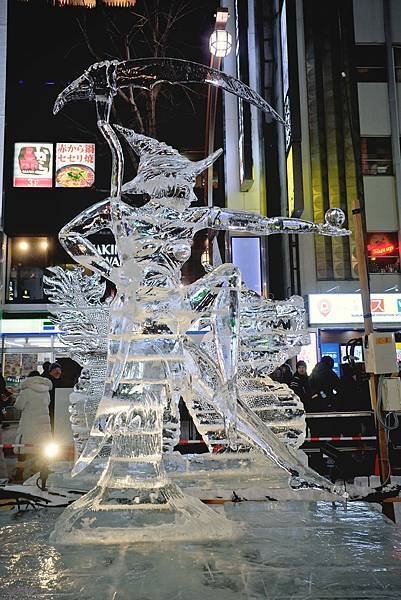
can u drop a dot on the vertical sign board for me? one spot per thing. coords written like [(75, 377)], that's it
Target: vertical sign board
[(245, 253), (285, 76), (33, 165), (75, 165), (291, 107), (244, 108)]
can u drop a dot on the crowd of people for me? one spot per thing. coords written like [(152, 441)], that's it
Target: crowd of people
[(323, 390), (35, 402)]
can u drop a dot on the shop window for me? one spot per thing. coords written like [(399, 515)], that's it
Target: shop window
[(376, 156), (383, 252), (370, 63), (29, 257), (23, 354)]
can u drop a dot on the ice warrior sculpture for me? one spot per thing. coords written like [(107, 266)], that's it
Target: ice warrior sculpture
[(270, 333), (133, 500)]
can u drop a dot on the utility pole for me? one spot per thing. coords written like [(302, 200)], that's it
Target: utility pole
[(220, 46), (382, 445)]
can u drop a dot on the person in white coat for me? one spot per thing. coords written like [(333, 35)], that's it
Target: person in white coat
[(34, 426)]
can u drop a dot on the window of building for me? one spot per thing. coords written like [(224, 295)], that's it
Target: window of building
[(383, 252), (370, 62), (376, 156), (28, 259)]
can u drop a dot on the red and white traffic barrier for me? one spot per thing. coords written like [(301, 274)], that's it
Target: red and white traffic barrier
[(340, 438), (12, 446), (39, 447), (333, 438)]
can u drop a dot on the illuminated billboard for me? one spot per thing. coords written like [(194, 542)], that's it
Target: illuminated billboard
[(75, 165), (33, 164), (335, 309)]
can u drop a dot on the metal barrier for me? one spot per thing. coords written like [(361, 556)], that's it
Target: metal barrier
[(340, 438), (332, 415)]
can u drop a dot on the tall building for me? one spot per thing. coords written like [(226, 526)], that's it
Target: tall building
[(340, 88), (333, 70)]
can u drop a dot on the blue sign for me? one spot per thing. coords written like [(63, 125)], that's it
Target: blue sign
[(333, 350)]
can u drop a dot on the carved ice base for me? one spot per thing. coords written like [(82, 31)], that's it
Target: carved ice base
[(116, 513)]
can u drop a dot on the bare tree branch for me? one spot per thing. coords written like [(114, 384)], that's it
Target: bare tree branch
[(149, 29)]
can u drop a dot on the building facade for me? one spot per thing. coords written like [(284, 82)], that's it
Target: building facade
[(343, 102)]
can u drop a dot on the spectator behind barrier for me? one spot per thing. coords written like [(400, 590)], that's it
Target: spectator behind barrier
[(34, 426), (54, 375), (326, 391), (300, 384)]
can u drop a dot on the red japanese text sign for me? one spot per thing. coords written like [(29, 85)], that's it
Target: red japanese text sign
[(75, 164)]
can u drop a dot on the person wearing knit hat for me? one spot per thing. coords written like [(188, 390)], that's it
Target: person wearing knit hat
[(300, 384)]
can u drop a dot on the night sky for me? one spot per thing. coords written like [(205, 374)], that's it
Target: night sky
[(46, 49)]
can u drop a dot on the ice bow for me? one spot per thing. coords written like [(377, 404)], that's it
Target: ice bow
[(106, 77)]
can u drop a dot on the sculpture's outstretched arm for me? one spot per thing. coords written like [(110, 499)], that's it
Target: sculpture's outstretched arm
[(73, 237), (236, 220)]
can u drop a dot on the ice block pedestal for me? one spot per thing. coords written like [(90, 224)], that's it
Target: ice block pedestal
[(294, 550)]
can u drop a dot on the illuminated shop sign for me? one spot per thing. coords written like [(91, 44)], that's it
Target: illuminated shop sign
[(382, 244), (27, 326), (109, 253), (75, 165), (33, 164), (385, 250), (335, 309)]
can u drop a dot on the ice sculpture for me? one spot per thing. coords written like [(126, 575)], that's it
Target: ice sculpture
[(133, 500), (79, 307), (270, 333), (82, 317), (101, 80)]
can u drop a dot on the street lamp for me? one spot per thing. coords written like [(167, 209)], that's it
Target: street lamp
[(220, 43)]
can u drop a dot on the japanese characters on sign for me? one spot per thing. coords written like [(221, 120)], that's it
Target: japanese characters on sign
[(75, 164), (33, 164), (332, 309)]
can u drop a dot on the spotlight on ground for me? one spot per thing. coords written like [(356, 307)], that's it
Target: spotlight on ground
[(51, 450)]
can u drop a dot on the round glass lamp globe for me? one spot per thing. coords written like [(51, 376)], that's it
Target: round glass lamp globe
[(220, 43)]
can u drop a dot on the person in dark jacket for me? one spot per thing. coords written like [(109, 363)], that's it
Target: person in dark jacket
[(326, 391), (300, 384), (54, 374), (282, 374), (325, 385), (45, 369), (6, 398)]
